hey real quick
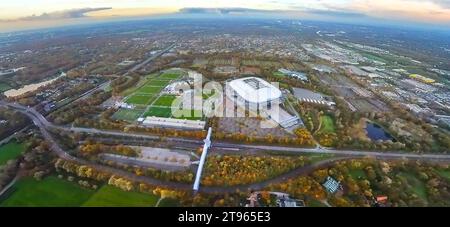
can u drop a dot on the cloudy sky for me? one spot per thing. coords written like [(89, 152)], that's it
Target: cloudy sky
[(35, 12)]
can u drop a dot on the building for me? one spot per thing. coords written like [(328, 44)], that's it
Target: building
[(332, 185), (173, 123), (295, 74), (253, 92), (257, 95), (304, 95)]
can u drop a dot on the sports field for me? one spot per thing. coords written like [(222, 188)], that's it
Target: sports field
[(158, 112), (10, 151), (140, 99), (4, 87), (52, 191), (127, 115), (149, 90), (170, 75), (165, 100)]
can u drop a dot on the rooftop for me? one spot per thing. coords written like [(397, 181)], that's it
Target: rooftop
[(255, 90)]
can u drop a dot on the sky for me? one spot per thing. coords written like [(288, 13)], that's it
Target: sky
[(16, 14)]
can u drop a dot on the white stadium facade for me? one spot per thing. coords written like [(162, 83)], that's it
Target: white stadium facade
[(256, 94)]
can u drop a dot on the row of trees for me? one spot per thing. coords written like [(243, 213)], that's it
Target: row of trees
[(14, 121), (91, 150), (185, 176)]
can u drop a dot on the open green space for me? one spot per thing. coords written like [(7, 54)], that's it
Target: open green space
[(417, 186), (165, 100), (357, 174), (49, 192), (55, 192), (444, 174), (127, 115), (149, 90), (189, 114), (140, 99), (159, 112), (4, 87), (157, 83), (109, 196), (10, 151), (170, 75), (327, 124), (278, 74)]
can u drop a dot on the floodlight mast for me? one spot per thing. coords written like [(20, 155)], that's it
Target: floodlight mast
[(206, 146)]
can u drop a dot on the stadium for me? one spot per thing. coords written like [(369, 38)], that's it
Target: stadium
[(257, 95)]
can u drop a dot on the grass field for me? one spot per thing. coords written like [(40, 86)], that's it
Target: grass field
[(10, 151), (165, 100), (327, 124), (108, 196), (4, 87), (159, 112), (444, 174), (127, 115), (357, 174), (49, 192), (149, 90), (189, 115), (278, 75), (417, 186), (158, 83), (170, 75), (52, 191), (140, 99)]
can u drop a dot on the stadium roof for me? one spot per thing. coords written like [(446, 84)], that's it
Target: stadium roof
[(255, 90)]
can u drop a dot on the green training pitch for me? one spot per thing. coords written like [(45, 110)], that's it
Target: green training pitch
[(149, 90), (159, 112), (109, 196), (157, 83), (165, 100), (127, 115), (11, 151), (189, 114), (170, 76), (140, 99), (4, 87), (49, 192)]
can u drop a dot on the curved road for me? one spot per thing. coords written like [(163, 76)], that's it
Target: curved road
[(44, 125)]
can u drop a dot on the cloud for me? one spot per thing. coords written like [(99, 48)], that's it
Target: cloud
[(65, 14), (443, 3), (197, 10)]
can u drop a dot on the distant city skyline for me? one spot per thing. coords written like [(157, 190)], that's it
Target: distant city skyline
[(47, 13)]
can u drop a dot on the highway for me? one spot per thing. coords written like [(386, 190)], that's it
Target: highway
[(44, 125), (40, 120)]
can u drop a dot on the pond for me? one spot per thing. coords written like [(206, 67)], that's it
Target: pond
[(375, 132)]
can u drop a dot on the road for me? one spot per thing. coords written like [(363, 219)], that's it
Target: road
[(44, 125), (39, 119)]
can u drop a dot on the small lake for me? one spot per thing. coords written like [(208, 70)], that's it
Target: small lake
[(375, 132)]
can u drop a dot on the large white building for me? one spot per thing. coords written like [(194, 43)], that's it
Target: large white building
[(255, 94)]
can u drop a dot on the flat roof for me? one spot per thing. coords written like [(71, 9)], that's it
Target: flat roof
[(255, 90)]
